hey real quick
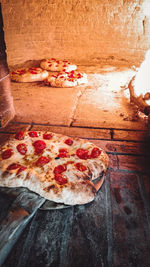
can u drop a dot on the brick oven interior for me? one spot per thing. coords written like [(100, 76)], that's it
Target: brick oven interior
[(108, 41)]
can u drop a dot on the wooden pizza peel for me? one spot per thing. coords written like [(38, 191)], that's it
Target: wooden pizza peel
[(21, 211)]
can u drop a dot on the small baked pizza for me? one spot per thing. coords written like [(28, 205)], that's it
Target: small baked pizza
[(66, 79), (29, 75), (57, 65), (57, 167)]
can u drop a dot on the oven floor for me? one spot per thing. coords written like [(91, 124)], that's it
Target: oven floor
[(102, 103)]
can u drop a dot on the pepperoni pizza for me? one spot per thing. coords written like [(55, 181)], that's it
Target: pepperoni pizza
[(29, 75), (57, 65), (66, 79), (57, 167)]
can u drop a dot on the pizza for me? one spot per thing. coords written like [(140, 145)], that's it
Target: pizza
[(59, 168), (57, 65), (66, 79), (29, 75)]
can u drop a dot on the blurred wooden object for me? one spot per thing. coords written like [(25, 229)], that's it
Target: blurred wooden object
[(139, 101)]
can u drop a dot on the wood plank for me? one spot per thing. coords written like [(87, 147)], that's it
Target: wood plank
[(123, 147), (146, 183), (43, 241), (75, 131), (88, 243), (134, 163), (67, 237), (15, 127), (131, 135), (4, 138), (130, 228)]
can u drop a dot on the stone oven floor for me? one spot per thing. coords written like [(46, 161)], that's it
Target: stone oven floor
[(102, 103), (113, 230)]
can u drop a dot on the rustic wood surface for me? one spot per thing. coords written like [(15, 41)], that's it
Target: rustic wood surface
[(113, 230)]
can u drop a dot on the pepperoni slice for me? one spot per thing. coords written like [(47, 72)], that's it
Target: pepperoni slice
[(7, 154), (59, 169), (79, 166), (79, 75), (63, 153), (33, 71), (20, 72), (71, 76), (47, 136), (20, 135), (42, 161), (22, 149), (60, 179), (68, 141), (33, 134), (95, 152), (21, 169), (82, 153), (36, 69), (39, 146), (13, 166)]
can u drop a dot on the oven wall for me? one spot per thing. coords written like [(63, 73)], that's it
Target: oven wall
[(79, 30)]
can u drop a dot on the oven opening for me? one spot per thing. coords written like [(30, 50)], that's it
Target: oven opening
[(106, 41)]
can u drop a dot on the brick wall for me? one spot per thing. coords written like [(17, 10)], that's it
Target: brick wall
[(75, 29)]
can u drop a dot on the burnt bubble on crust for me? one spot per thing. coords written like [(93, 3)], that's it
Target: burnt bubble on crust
[(48, 188), (90, 185), (83, 186), (4, 174), (51, 187), (89, 175), (86, 177)]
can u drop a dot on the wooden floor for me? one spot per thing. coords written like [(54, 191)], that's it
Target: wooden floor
[(114, 230)]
